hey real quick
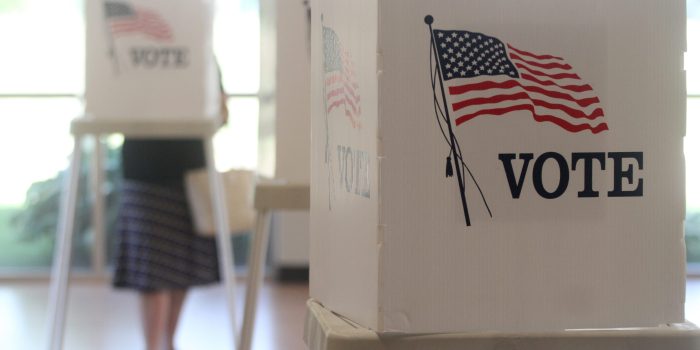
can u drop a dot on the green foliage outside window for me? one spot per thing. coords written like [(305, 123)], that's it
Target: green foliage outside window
[(39, 218), (692, 237)]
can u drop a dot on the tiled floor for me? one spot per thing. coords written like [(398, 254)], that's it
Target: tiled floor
[(100, 318)]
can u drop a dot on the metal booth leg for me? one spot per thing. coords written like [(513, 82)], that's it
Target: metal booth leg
[(255, 276), (223, 236), (60, 273)]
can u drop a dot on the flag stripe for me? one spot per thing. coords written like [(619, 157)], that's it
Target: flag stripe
[(582, 102), (538, 117), (347, 94), (548, 75), (341, 88), (571, 127), (576, 113), (574, 88), (462, 89), (139, 21), (336, 103), (539, 64), (569, 111), (485, 85), (485, 100), (529, 54)]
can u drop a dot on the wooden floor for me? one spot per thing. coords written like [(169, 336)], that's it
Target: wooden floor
[(100, 318)]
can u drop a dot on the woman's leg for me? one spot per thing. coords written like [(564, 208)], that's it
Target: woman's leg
[(177, 299), (155, 308)]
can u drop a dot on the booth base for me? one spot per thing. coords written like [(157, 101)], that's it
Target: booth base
[(325, 330)]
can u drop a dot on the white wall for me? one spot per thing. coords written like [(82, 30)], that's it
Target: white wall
[(290, 243)]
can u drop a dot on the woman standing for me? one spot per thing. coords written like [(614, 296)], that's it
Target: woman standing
[(158, 252)]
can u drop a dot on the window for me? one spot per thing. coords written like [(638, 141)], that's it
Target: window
[(42, 70)]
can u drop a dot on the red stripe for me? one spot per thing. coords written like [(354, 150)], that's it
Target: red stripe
[(574, 88), (145, 22), (339, 96), (509, 84), (539, 118), (333, 77), (335, 92), (351, 103), (576, 113), (552, 65), (343, 89), (355, 109), (539, 57), (553, 76), (486, 85), (351, 92), (126, 28), (571, 127), (335, 104), (494, 111), (344, 102), (489, 100), (584, 102)]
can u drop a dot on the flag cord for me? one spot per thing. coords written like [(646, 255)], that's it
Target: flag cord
[(460, 179), (457, 152)]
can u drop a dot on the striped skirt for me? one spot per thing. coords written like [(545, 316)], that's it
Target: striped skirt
[(157, 248)]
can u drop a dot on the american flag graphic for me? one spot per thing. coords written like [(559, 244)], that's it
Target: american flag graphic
[(123, 19), (486, 77), (341, 88)]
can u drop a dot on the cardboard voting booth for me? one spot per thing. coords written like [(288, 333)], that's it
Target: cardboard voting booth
[(498, 165), (150, 60)]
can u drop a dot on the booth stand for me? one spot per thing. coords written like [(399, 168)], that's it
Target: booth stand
[(269, 197), (325, 330), (88, 126)]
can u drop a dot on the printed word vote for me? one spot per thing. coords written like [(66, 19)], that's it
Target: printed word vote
[(160, 57), (354, 171), (623, 164)]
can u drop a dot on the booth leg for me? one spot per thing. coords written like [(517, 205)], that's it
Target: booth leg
[(223, 235), (255, 276), (97, 180), (60, 273)]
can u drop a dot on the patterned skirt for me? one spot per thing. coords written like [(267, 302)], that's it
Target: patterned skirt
[(157, 248)]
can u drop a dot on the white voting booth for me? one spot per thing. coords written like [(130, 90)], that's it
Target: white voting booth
[(496, 167), (150, 72), (150, 60)]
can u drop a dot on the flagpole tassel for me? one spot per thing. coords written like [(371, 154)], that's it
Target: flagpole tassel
[(448, 168)]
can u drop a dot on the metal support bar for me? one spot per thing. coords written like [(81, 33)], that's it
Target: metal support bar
[(268, 197), (97, 180), (223, 235), (256, 275), (60, 274)]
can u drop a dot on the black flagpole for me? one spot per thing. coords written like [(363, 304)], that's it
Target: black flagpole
[(457, 160)]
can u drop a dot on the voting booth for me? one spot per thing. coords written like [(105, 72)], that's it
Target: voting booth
[(501, 165), (150, 59), (150, 73)]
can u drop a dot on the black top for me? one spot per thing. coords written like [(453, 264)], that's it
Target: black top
[(161, 160)]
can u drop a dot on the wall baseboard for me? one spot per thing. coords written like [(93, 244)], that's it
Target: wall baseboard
[(292, 274)]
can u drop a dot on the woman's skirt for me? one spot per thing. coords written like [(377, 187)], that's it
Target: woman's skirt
[(157, 248)]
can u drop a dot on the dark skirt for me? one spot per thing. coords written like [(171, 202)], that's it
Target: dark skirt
[(157, 248)]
